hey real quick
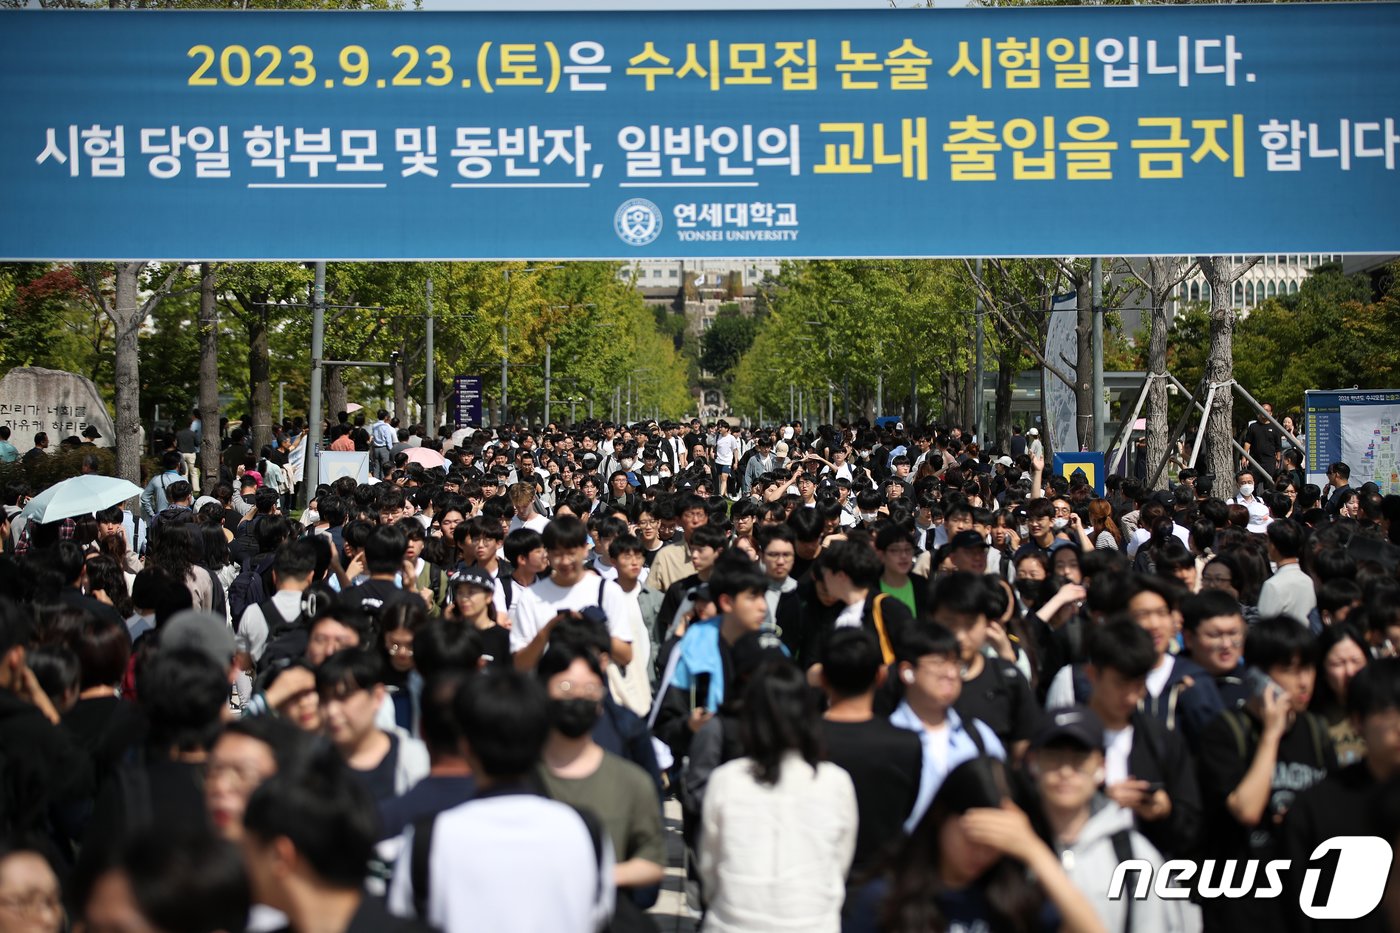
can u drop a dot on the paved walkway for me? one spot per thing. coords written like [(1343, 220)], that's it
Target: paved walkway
[(671, 913)]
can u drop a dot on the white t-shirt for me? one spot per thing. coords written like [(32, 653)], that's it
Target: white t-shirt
[(534, 607), (537, 524), (725, 448), (1117, 746), (1157, 677)]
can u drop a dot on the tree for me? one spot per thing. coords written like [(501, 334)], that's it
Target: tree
[(1157, 277), (1221, 274), (120, 302), (727, 340), (209, 374)]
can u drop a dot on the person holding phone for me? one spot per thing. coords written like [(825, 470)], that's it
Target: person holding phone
[(1255, 762)]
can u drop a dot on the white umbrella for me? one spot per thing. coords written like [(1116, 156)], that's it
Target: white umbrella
[(79, 495)]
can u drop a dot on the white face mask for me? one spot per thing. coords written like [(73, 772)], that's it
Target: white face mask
[(1246, 489), (869, 516), (1059, 523), (665, 472), (627, 463)]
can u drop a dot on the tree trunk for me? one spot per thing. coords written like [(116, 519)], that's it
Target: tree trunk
[(1047, 436), (1158, 420), (127, 313), (1006, 378), (1084, 366), (399, 371), (259, 376), (968, 415), (208, 376), (336, 396), (1220, 428)]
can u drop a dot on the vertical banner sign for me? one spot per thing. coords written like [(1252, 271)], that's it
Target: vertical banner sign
[(1122, 130), (1361, 428), (466, 401)]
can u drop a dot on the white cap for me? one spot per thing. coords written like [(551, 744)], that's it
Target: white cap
[(1033, 431), (1004, 461)]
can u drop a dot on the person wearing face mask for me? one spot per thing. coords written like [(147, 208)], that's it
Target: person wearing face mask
[(1258, 510), (576, 770)]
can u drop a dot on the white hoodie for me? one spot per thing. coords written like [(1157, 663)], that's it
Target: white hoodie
[(1090, 863)]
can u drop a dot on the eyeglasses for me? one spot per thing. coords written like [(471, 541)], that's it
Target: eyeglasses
[(241, 775), (573, 691), (396, 649), (32, 903)]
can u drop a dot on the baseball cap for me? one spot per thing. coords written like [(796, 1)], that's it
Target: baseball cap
[(754, 650), (205, 632), (1005, 461), (782, 449), (1077, 724), (968, 538), (475, 576), (1033, 431)]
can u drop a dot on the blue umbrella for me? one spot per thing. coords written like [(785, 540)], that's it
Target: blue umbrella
[(79, 495)]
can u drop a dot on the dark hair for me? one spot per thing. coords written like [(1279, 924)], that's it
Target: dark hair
[(187, 880), (294, 560), (438, 717), (710, 536), (1286, 535), (1014, 902), (1207, 604), (1375, 688), (520, 542), (57, 669), (779, 716), (857, 561), (442, 646), (626, 543), (565, 533), (806, 525), (105, 574), (103, 647), (349, 670), (960, 592), (1278, 642), (851, 661), (290, 746), (184, 692), (385, 549), (1124, 646), (925, 638), (563, 654), (1324, 700), (505, 719), (325, 811), (734, 573)]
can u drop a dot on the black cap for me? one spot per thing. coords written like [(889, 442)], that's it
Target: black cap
[(91, 432), (755, 649), (1077, 724), (968, 538), (475, 576)]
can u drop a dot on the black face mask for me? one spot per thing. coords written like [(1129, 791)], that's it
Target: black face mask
[(573, 718)]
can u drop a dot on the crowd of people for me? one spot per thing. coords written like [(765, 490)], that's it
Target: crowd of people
[(895, 679)]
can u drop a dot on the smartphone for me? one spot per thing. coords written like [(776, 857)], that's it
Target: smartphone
[(1258, 684), (1154, 786), (700, 692)]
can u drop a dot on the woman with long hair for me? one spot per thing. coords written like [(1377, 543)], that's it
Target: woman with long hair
[(1104, 531), (398, 624), (973, 862), (105, 576), (779, 824), (1342, 653), (178, 549)]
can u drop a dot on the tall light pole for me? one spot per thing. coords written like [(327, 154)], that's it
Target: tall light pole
[(430, 370), (981, 369)]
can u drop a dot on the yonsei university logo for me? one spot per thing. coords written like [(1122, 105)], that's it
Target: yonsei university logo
[(638, 222)]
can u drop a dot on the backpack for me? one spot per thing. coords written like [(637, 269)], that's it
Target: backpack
[(248, 589), (1243, 731), (886, 649), (1123, 852)]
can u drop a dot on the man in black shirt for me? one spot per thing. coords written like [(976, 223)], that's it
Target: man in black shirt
[(1256, 761), (1348, 801), (993, 689), (384, 559), (883, 760), (1261, 440)]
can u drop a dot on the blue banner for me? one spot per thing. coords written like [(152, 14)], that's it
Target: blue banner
[(1359, 427), (1032, 131), (466, 401)]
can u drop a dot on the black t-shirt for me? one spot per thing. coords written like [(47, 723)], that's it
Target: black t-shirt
[(495, 641), (884, 762), (1263, 439), (379, 780), (1001, 698), (374, 596)]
